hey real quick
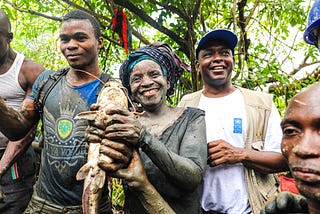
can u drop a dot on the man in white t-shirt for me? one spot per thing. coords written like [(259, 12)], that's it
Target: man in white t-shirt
[(243, 132)]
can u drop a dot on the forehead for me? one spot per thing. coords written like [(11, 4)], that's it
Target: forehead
[(76, 25), (4, 24), (145, 66), (306, 104)]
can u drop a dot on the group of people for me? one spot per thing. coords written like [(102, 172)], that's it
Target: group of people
[(216, 152)]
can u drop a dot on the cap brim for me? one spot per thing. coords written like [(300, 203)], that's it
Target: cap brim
[(225, 36), (308, 36)]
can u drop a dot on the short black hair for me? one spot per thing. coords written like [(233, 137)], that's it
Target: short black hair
[(79, 14)]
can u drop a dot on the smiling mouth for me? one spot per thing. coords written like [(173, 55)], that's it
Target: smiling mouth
[(150, 92), (218, 68)]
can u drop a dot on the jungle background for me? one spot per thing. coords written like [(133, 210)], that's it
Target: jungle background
[(271, 55)]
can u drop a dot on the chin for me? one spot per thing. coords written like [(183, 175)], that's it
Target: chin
[(311, 191)]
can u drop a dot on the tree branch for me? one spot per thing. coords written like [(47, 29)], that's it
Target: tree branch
[(127, 4), (33, 12)]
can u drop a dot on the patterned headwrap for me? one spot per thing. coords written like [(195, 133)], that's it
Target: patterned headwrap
[(161, 53)]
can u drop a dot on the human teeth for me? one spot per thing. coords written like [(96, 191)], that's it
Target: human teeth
[(150, 92), (218, 67)]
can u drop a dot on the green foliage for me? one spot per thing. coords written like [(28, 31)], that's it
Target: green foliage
[(271, 54), (117, 193)]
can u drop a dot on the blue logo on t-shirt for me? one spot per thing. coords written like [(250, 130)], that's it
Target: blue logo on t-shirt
[(237, 125)]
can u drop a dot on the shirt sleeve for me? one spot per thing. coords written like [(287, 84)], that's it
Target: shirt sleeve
[(274, 132), (40, 79)]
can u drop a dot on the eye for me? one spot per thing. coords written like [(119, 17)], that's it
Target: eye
[(135, 79), (225, 53), (207, 54), (80, 38), (290, 131), (64, 39), (155, 74)]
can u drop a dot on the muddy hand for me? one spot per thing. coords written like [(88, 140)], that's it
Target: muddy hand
[(285, 202), (134, 174), (122, 125), (120, 153), (94, 134)]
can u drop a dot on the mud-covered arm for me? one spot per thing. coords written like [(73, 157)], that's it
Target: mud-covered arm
[(152, 201), (186, 168), (14, 149), (137, 180), (16, 124)]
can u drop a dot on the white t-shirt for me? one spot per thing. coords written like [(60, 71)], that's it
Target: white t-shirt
[(224, 185)]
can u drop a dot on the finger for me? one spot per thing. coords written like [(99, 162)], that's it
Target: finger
[(211, 162), (271, 206), (292, 201), (94, 131), (92, 138), (303, 204), (109, 167), (94, 107), (118, 151), (98, 123), (214, 143), (117, 110), (122, 173), (119, 119)]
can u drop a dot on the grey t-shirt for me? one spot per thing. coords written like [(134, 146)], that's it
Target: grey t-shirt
[(175, 163)]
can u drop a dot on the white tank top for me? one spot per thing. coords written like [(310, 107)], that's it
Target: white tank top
[(10, 89)]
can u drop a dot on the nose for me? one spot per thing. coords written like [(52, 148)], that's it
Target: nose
[(309, 145), (146, 81), (217, 57), (72, 44)]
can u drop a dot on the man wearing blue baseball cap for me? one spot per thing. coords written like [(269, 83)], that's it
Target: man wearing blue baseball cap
[(243, 132)]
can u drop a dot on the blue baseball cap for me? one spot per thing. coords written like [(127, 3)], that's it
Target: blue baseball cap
[(313, 21), (226, 36)]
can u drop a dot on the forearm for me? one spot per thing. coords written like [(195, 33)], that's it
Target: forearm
[(264, 161), (181, 170), (14, 149), (13, 124), (152, 201)]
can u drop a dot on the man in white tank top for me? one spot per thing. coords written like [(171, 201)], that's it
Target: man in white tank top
[(17, 164)]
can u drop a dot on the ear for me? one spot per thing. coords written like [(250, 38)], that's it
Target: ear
[(168, 84), (197, 65), (10, 37), (100, 42)]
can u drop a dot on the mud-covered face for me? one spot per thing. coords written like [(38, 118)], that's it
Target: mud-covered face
[(148, 85), (301, 141)]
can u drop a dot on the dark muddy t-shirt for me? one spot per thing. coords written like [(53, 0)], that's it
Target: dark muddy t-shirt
[(64, 146), (175, 163)]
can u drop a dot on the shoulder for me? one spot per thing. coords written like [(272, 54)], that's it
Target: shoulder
[(191, 99), (193, 113), (192, 95), (29, 71), (31, 68), (256, 98), (45, 75), (41, 80)]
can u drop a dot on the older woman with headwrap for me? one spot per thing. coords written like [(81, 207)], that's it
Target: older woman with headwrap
[(171, 141)]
